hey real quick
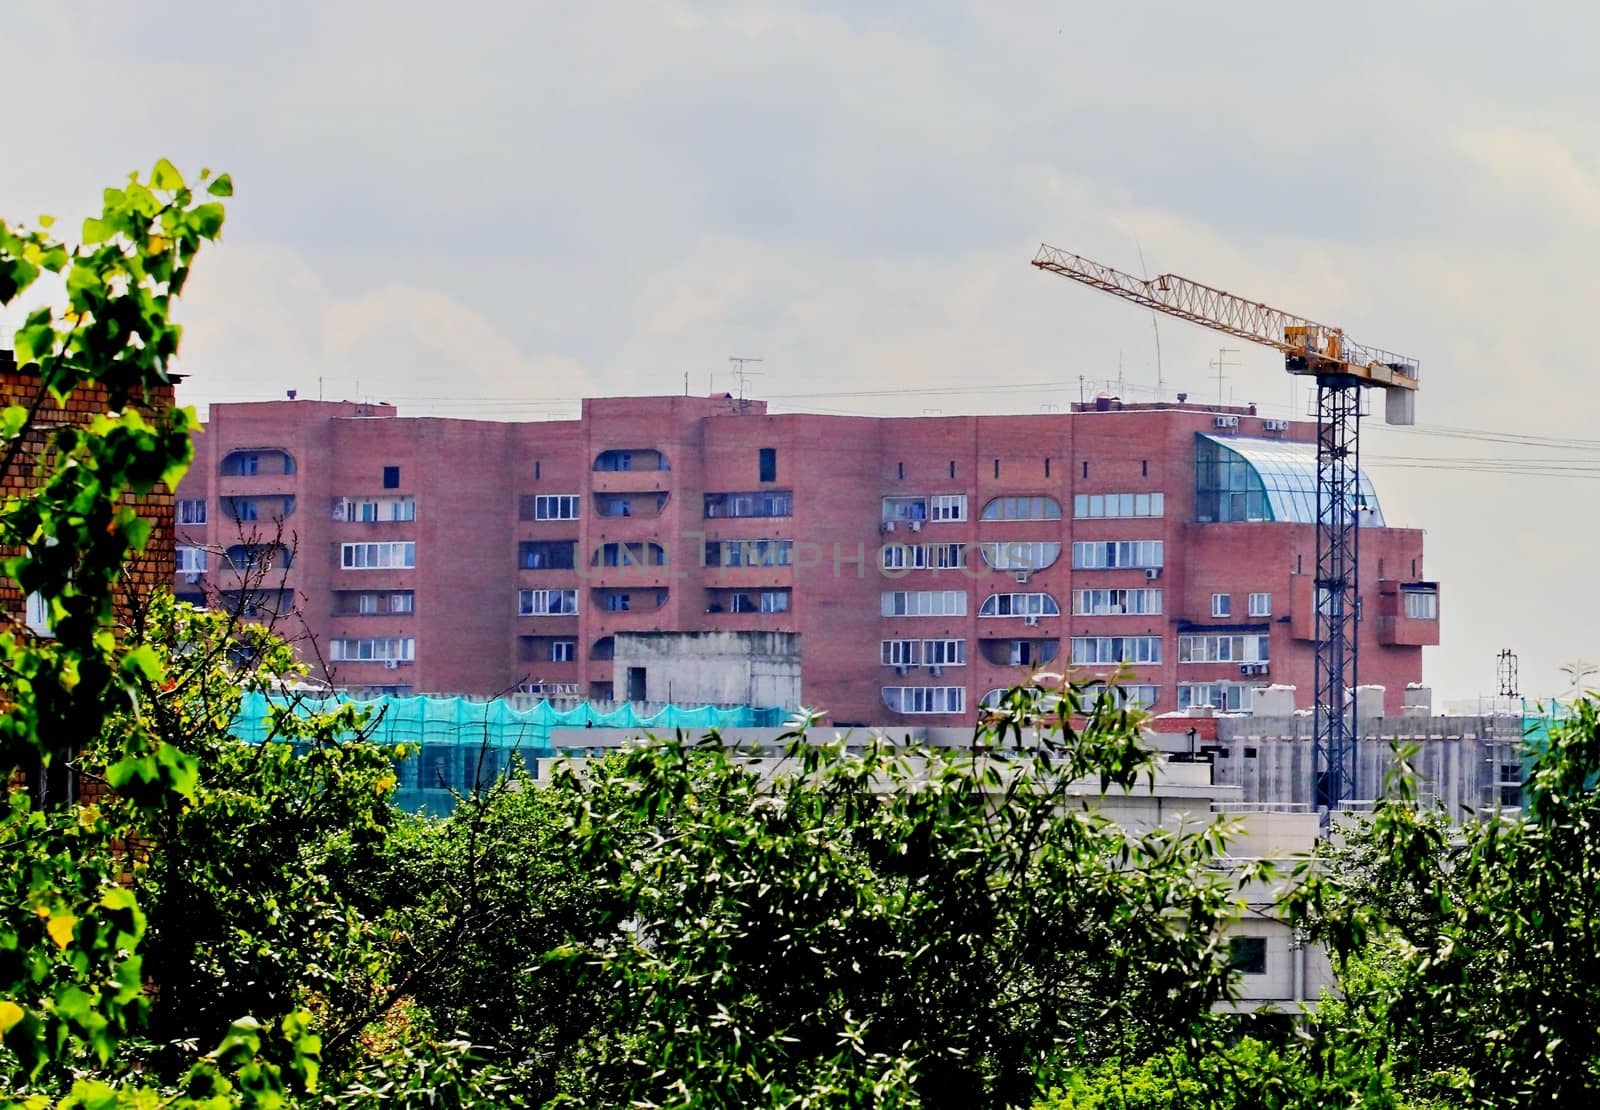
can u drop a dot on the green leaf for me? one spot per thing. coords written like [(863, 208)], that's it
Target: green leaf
[(166, 176), (221, 187), (96, 230), (144, 662)]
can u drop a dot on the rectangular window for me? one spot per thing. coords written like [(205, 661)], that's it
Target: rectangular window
[(924, 603), (1221, 605), (1142, 695), (241, 508), (550, 506), (367, 603), (1019, 555), (749, 553), (905, 508), (1261, 605), (391, 477), (403, 602), (763, 503), (1116, 603), (1250, 647), (191, 560), (1117, 554), (616, 603), (768, 464), (1233, 697), (758, 601), (1114, 650), (1248, 955), (373, 603), (563, 651), (374, 510), (547, 603), (948, 506), (1110, 506), (192, 512), (397, 649), (925, 699), (924, 653), (547, 554), (399, 555), (1421, 602), (923, 556)]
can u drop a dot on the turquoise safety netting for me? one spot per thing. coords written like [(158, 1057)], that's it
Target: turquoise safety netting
[(458, 742)]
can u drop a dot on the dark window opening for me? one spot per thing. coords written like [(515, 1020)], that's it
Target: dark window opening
[(952, 468), (391, 477), (1249, 753), (900, 470), (769, 464), (1047, 466), (547, 554), (997, 468), (1144, 467), (536, 468), (1086, 469), (1248, 955)]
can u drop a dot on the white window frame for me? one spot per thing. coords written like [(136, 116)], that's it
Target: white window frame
[(191, 559), (378, 555), (1035, 506), (923, 556), (950, 507), (925, 699), (1029, 555), (1225, 647), (924, 653), (563, 651), (557, 506), (1419, 605), (1222, 605), (192, 510), (1103, 651), (1036, 604), (1118, 554), (1261, 605), (905, 508), (372, 649), (923, 603), (547, 603), (1141, 602), (1118, 506)]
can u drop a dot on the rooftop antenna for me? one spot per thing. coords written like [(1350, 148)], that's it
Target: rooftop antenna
[(742, 373), (1507, 670), (1579, 671), (1222, 365)]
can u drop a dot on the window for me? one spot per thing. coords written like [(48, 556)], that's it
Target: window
[(37, 616), (1248, 955), (403, 602), (1421, 602), (924, 653), (1019, 605), (924, 603), (396, 649), (948, 506), (367, 603), (1115, 554), (192, 512), (629, 555), (761, 601), (748, 553), (547, 603), (1261, 605), (1116, 603), (1221, 605), (923, 556), (1113, 650), (643, 458), (768, 464), (547, 554), (374, 510), (1020, 556), (764, 503), (1092, 506), (1224, 648), (552, 506), (925, 699), (239, 464), (241, 508), (391, 477), (616, 602), (191, 560), (1141, 695), (905, 508), (373, 602), (563, 651), (1022, 508), (1232, 697), (378, 556)]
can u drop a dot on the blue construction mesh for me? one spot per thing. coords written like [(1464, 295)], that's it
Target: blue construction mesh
[(457, 742)]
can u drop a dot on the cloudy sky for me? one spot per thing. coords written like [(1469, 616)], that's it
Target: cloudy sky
[(494, 209)]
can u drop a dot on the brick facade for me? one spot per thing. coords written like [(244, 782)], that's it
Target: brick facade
[(480, 503)]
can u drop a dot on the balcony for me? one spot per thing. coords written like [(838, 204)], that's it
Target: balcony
[(1408, 613), (611, 508), (1032, 652), (611, 603), (262, 509), (634, 470), (256, 470), (765, 608)]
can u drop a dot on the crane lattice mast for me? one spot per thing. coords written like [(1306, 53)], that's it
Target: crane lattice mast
[(1342, 369)]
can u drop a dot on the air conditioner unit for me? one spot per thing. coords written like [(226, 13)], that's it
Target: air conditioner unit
[(1022, 575), (340, 510), (915, 526), (1252, 668), (192, 577), (1030, 620), (936, 671), (1275, 425), (1152, 573), (886, 526), (391, 664), (1225, 422), (901, 668)]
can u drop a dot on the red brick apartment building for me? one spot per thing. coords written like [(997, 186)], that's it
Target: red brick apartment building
[(923, 562)]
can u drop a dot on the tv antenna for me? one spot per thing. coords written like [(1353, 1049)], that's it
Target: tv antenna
[(1222, 365), (1507, 671), (1579, 671), (742, 374)]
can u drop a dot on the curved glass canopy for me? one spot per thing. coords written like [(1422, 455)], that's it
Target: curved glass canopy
[(1265, 479)]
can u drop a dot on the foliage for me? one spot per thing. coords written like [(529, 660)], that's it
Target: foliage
[(955, 918)]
